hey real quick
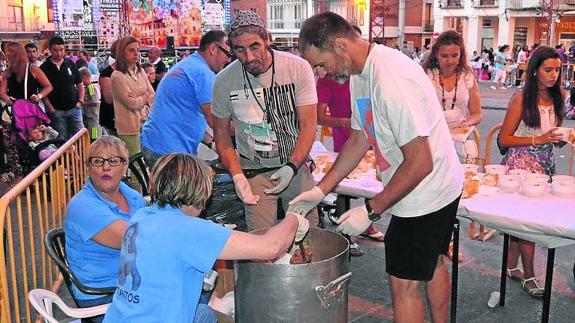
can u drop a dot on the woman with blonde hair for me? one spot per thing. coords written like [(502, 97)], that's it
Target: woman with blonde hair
[(132, 93), (169, 248), (97, 218)]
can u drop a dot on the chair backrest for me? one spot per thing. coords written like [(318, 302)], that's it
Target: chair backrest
[(488, 139), (138, 168), (55, 243), (42, 301)]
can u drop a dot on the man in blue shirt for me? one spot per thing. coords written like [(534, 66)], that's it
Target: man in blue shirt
[(182, 108)]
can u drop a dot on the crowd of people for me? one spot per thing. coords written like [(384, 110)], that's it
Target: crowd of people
[(260, 113)]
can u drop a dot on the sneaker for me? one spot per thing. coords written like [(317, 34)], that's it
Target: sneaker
[(355, 250), (503, 88), (493, 87)]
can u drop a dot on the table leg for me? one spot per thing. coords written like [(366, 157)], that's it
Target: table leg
[(342, 204), (548, 283), (502, 284), (454, 271)]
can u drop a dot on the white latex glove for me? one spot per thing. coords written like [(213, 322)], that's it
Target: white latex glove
[(244, 190), (306, 201), (354, 222), (302, 228), (283, 177)]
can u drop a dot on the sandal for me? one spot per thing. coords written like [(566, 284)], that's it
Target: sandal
[(355, 250), (373, 234), (535, 292), (518, 276)]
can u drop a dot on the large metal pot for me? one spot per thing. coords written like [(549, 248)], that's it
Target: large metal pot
[(314, 292)]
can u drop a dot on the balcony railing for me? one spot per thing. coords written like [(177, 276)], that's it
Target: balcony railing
[(485, 3), (451, 4), (531, 4), (16, 24), (523, 4)]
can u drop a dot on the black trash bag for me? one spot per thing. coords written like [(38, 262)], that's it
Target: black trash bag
[(224, 206)]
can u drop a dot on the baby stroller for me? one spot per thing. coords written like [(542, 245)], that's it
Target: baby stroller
[(23, 115)]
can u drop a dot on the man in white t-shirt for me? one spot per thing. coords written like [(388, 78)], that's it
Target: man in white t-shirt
[(395, 110), (271, 99)]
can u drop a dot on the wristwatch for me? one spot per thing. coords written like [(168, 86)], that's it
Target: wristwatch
[(371, 213)]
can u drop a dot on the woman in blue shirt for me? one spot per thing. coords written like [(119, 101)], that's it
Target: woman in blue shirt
[(97, 218), (168, 248)]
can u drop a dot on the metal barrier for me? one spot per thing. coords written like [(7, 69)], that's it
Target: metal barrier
[(32, 207)]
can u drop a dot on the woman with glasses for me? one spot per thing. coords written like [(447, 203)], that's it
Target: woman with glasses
[(97, 218), (168, 249)]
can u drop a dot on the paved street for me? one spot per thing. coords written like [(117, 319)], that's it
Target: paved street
[(370, 298)]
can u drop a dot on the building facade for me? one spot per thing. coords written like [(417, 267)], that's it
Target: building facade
[(492, 23), (22, 20), (257, 6)]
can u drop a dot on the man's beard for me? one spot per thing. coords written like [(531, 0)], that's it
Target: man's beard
[(343, 69)]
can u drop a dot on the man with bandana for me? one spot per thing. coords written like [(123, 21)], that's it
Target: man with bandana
[(271, 99)]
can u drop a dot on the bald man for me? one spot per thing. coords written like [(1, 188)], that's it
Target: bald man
[(155, 55)]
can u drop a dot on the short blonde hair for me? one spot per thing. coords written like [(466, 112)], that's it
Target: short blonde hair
[(110, 142), (181, 180)]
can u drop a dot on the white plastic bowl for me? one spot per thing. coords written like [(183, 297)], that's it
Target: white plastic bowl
[(474, 168), (533, 188), (541, 178), (510, 183), (563, 178), (562, 188), (519, 172), (496, 169)]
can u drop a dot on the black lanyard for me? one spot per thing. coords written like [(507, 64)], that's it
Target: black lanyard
[(272, 83)]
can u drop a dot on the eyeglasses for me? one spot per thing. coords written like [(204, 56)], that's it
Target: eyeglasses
[(225, 51), (112, 161)]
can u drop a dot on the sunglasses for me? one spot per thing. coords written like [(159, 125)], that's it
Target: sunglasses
[(225, 51), (112, 161)]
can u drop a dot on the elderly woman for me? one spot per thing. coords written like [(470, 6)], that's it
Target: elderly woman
[(97, 218), (169, 248)]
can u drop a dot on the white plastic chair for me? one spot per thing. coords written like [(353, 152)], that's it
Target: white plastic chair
[(42, 301)]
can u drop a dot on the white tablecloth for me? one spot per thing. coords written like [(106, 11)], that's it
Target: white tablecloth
[(549, 220), (365, 185)]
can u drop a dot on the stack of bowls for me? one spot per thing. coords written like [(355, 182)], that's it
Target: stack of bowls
[(510, 183), (496, 169), (534, 188), (473, 168), (563, 186)]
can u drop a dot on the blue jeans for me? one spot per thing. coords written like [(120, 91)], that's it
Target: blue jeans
[(67, 122), (204, 314), (94, 302), (150, 157)]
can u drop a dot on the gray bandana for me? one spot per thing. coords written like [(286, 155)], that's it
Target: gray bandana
[(246, 18)]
